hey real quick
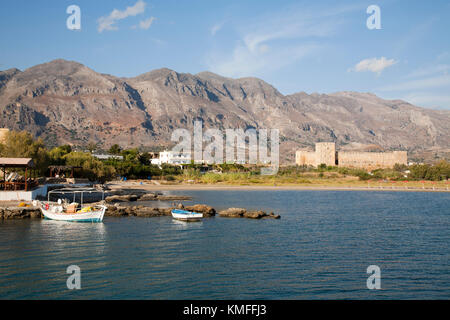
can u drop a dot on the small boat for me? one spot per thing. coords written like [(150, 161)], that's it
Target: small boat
[(186, 215), (72, 212)]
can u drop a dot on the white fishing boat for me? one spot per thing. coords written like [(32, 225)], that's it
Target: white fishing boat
[(73, 212), (186, 215)]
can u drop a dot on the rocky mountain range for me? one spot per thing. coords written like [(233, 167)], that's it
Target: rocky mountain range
[(65, 102)]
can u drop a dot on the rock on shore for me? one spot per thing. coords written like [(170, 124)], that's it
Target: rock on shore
[(11, 213), (144, 197), (244, 213)]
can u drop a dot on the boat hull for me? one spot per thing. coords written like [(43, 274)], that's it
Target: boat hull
[(187, 216), (93, 216)]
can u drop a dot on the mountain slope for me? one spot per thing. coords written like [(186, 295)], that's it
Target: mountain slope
[(66, 102)]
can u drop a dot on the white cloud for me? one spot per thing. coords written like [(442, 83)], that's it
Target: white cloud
[(146, 24), (108, 23), (275, 41), (376, 65)]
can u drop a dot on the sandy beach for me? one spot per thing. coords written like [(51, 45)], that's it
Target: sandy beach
[(145, 185)]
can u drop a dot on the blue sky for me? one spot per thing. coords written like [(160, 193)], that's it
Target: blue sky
[(311, 46)]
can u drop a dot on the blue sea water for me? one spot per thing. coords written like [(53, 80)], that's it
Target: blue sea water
[(320, 249)]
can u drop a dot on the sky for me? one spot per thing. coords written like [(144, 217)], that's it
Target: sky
[(310, 46)]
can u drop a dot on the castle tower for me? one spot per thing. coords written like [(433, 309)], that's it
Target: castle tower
[(326, 153), (3, 133)]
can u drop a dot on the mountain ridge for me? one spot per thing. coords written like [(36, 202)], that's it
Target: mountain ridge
[(67, 102)]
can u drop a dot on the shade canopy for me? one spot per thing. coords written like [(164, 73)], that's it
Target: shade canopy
[(16, 162)]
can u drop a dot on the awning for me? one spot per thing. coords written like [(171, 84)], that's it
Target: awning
[(16, 162)]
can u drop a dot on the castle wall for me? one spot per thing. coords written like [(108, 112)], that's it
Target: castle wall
[(305, 158), (372, 160)]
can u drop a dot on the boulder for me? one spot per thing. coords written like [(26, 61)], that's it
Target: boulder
[(173, 198), (233, 213), (273, 216), (243, 213), (254, 214), (148, 197), (202, 208), (20, 213), (124, 198), (147, 212), (36, 214), (116, 211)]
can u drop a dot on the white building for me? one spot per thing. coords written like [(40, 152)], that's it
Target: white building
[(107, 157), (171, 157)]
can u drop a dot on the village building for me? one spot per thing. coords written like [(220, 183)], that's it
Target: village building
[(170, 157)]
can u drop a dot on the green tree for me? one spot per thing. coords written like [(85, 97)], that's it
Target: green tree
[(93, 169), (145, 158), (91, 147), (56, 155), (131, 155), (23, 145), (115, 149)]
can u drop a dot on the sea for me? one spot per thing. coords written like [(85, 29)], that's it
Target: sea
[(325, 246)]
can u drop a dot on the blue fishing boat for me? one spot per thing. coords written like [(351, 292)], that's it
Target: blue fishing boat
[(184, 215)]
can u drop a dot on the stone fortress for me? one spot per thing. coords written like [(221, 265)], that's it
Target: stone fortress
[(326, 154)]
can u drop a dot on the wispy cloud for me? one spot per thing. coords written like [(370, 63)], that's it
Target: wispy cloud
[(423, 72), (276, 41), (420, 84), (427, 99), (108, 22), (146, 24), (426, 86), (376, 65), (216, 28)]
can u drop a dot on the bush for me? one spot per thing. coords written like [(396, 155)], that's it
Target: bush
[(211, 178), (92, 168), (363, 175), (437, 172), (170, 178)]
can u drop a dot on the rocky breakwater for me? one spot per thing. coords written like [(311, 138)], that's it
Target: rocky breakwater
[(117, 210), (18, 213), (144, 197), (244, 213)]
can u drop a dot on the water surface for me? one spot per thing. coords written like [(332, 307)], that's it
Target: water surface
[(320, 249)]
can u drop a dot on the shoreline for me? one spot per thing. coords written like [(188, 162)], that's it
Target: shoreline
[(220, 187)]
